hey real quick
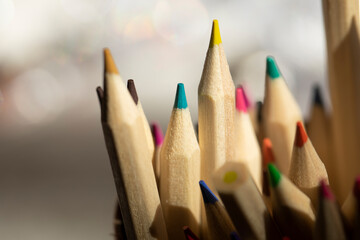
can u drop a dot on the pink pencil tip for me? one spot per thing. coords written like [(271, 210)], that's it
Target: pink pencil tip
[(240, 100), (357, 188), (157, 134), (325, 190)]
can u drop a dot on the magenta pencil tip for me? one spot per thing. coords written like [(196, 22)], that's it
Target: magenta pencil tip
[(157, 134), (325, 190), (240, 100)]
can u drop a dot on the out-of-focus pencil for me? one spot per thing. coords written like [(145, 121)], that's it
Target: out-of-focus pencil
[(306, 169), (268, 157), (180, 170), (292, 209), (189, 235), (244, 203), (158, 140), (280, 114), (218, 220), (133, 175), (328, 220), (119, 224), (247, 148), (350, 208), (149, 139)]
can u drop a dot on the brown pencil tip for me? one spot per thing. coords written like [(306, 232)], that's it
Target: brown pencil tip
[(110, 66), (132, 90), (267, 152), (301, 136)]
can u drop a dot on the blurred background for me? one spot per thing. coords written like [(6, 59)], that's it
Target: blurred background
[(55, 176)]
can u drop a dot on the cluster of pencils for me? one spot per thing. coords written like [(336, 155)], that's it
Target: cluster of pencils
[(260, 177)]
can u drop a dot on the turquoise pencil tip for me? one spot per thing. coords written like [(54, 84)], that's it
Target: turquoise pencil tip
[(271, 68), (180, 99), (208, 195)]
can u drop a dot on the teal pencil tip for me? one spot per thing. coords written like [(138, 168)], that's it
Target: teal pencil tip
[(180, 99), (271, 68)]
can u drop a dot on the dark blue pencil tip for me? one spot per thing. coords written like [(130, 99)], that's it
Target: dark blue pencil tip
[(207, 194), (317, 96), (234, 236), (180, 99)]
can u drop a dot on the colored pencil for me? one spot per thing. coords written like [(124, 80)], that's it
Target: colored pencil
[(189, 235), (328, 221), (244, 202), (292, 209), (341, 20), (306, 169), (133, 175), (218, 220), (180, 170), (119, 224), (149, 139), (247, 148), (158, 140), (268, 157), (350, 206), (280, 114)]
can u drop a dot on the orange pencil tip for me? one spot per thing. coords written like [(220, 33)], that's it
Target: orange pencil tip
[(301, 136), (109, 62), (267, 152)]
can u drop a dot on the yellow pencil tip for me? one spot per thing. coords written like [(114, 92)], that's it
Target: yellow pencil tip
[(109, 62), (215, 34)]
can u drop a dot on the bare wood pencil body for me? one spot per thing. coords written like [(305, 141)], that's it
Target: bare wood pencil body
[(306, 169), (244, 203), (350, 207), (341, 18), (247, 148), (180, 171), (292, 209), (280, 114), (130, 159)]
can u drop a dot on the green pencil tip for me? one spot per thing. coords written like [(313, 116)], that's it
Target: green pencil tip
[(180, 99), (275, 175), (271, 68)]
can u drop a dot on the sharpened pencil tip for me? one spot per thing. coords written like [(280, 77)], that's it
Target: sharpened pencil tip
[(109, 62), (208, 195), (271, 68), (240, 100), (301, 136), (234, 236), (357, 188), (275, 175), (267, 152), (157, 134), (180, 99), (317, 97), (215, 34), (132, 90), (325, 191), (189, 235)]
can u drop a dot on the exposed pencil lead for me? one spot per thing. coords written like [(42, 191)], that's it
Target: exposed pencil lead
[(301, 136), (189, 235), (240, 100), (100, 94), (157, 134), (325, 191), (132, 90), (275, 175), (267, 152), (109, 62), (180, 99), (317, 97), (215, 34), (207, 194), (234, 236), (271, 68)]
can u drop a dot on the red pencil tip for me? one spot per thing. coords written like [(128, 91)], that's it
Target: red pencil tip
[(240, 100), (189, 235), (357, 188), (301, 136), (267, 152), (157, 134), (325, 190)]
